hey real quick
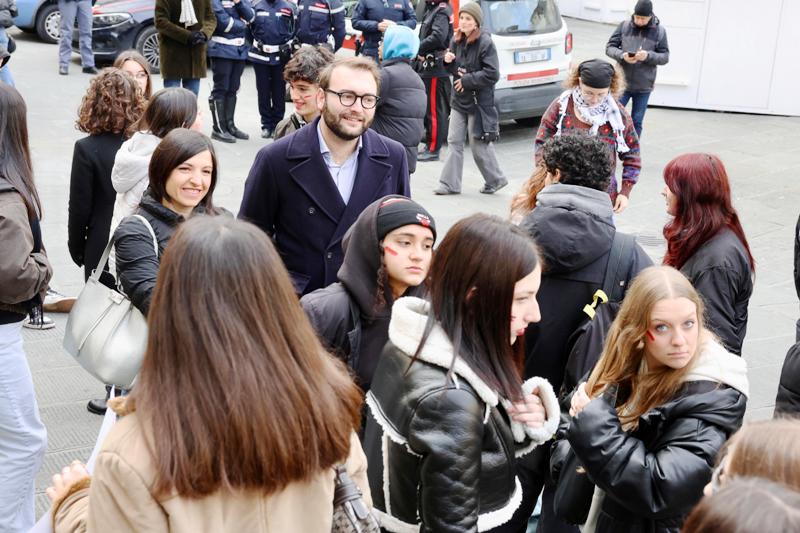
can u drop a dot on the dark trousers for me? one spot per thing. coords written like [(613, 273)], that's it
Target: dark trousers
[(271, 93), (638, 108), (227, 77), (438, 111)]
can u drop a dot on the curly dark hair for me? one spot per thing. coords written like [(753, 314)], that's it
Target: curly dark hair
[(582, 160), (307, 63), (112, 103)]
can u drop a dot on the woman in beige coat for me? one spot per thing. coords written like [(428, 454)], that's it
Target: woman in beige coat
[(238, 415)]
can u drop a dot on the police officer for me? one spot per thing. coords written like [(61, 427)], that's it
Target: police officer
[(435, 34), (321, 22), (372, 17), (273, 31), (228, 50)]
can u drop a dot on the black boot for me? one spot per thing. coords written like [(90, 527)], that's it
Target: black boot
[(219, 131), (98, 405), (230, 109)]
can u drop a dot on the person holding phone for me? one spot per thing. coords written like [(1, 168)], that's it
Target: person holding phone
[(639, 45)]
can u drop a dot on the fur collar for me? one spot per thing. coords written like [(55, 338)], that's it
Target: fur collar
[(715, 363), (409, 316)]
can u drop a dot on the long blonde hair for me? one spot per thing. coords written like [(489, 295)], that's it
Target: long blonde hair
[(623, 363)]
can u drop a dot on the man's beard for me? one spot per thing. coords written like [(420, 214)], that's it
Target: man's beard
[(333, 123)]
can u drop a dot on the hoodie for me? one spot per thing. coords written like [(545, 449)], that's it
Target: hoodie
[(574, 229), (346, 314), (130, 176)]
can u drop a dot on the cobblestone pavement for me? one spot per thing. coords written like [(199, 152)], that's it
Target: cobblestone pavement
[(762, 155)]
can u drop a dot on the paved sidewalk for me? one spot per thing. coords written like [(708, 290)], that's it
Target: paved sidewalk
[(762, 155)]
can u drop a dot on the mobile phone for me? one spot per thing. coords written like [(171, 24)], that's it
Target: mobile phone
[(630, 54)]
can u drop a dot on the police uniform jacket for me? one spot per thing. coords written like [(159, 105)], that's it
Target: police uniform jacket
[(321, 21), (435, 34), (369, 13), (272, 30), (229, 38)]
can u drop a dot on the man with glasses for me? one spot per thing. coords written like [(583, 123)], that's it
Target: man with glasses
[(306, 189)]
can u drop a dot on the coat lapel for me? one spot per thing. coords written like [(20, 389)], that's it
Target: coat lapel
[(373, 169), (310, 173)]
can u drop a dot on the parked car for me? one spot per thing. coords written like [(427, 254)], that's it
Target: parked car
[(41, 17), (119, 25)]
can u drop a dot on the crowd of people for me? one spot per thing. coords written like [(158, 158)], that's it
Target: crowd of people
[(321, 334)]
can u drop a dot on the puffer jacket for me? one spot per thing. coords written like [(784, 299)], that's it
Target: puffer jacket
[(130, 176), (653, 475), (137, 261), (400, 113), (640, 77), (574, 229), (24, 268), (345, 314), (119, 496), (787, 401), (442, 451), (720, 271), (482, 70)]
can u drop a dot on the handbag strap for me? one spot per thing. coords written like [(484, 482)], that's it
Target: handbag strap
[(104, 258)]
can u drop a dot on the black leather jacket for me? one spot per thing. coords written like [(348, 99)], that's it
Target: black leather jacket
[(653, 476), (442, 449)]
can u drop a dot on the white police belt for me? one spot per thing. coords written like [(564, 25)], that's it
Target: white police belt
[(267, 48), (239, 41)]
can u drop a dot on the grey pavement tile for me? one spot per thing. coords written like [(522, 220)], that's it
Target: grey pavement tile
[(763, 384)]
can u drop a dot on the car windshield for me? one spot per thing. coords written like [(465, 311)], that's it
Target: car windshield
[(509, 17)]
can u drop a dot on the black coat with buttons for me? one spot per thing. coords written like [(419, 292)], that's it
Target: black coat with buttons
[(291, 195)]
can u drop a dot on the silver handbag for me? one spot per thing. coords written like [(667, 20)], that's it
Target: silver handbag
[(105, 333)]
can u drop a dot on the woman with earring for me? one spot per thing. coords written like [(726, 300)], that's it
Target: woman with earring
[(658, 406), (589, 105)]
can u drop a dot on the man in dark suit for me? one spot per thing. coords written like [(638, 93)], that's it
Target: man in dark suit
[(305, 190)]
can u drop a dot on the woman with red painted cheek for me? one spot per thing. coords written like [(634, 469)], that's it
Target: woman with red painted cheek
[(449, 413), (387, 254), (658, 406)]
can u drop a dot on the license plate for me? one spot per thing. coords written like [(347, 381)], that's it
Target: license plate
[(531, 56)]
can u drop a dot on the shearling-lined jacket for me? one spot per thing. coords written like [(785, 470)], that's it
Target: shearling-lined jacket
[(120, 497), (442, 451), (653, 475)]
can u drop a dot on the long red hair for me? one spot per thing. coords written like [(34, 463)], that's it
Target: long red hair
[(704, 207)]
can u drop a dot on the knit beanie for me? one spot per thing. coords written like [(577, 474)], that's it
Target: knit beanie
[(398, 212), (472, 9), (400, 41), (644, 8)]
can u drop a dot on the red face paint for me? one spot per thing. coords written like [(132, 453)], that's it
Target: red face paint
[(650, 336), (393, 252)]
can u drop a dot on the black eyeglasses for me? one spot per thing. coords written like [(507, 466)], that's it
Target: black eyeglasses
[(348, 98)]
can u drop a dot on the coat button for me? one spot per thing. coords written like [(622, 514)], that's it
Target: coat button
[(329, 255), (311, 210)]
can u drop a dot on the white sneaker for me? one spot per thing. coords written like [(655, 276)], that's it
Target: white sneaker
[(55, 302), (46, 323)]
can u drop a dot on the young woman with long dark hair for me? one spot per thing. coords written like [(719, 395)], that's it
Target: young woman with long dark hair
[(448, 411), (238, 415), (706, 242), (24, 274), (658, 406), (183, 175)]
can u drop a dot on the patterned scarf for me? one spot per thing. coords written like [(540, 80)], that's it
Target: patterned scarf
[(605, 111)]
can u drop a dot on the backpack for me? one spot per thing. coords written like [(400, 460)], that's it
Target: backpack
[(585, 344)]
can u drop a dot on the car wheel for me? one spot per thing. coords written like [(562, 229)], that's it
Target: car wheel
[(48, 23), (147, 45)]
